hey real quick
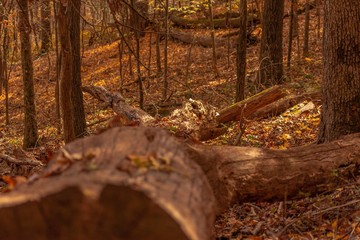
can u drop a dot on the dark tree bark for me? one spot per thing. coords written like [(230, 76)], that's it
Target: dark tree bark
[(45, 26), (76, 93), (341, 80), (271, 51), (66, 71), (241, 54), (30, 123)]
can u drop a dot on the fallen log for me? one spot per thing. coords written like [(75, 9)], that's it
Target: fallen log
[(218, 23), (280, 106), (129, 183), (136, 183), (250, 105), (240, 174)]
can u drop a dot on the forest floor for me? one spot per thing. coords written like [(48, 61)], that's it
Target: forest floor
[(331, 215)]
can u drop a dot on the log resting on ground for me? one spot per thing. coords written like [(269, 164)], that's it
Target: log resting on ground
[(218, 23), (250, 105), (128, 183), (131, 183), (280, 106)]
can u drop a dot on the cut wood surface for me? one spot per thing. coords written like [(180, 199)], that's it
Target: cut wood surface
[(250, 105), (128, 183)]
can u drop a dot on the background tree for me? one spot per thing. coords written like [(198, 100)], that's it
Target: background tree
[(66, 71), (341, 81), (30, 123), (271, 51), (241, 53), (73, 17), (45, 26)]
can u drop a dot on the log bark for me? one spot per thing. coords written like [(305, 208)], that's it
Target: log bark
[(240, 174), (136, 183), (128, 183), (218, 23), (248, 106)]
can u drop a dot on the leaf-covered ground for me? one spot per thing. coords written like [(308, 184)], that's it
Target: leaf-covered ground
[(332, 215)]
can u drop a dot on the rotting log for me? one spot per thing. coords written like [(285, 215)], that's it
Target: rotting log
[(127, 183), (280, 106), (137, 183), (248, 106), (218, 23), (241, 174)]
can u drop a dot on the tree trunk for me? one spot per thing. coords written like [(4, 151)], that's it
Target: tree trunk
[(45, 26), (30, 123), (76, 94), (213, 44), (306, 29), (241, 54), (341, 80), (66, 72), (136, 183), (271, 51)]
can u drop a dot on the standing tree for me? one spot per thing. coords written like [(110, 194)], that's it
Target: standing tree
[(241, 54), (30, 123), (76, 94), (341, 80), (271, 52), (66, 71), (45, 26), (306, 29)]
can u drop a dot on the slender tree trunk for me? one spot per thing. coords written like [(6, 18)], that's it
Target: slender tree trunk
[(166, 80), (45, 26), (271, 51), (57, 75), (66, 72), (30, 123), (241, 54), (76, 93), (290, 34), (214, 59), (341, 81), (306, 29), (136, 24)]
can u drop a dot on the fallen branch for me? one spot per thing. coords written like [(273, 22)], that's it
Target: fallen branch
[(238, 110)]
